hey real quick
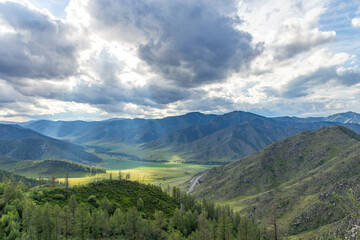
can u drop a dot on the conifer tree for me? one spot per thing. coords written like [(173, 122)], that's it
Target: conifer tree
[(47, 221), (28, 231), (67, 221), (95, 224), (57, 222), (130, 223), (116, 222), (82, 221), (53, 181), (140, 205)]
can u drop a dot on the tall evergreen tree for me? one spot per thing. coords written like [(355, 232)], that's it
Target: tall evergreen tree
[(82, 219)]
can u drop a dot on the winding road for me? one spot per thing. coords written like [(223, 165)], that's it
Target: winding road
[(193, 184)]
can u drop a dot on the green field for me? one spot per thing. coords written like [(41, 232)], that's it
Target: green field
[(154, 174), (172, 173)]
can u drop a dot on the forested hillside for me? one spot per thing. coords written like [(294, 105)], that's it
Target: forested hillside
[(115, 209)]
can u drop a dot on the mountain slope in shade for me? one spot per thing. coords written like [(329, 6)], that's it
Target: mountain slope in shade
[(39, 149), (229, 137), (14, 132), (243, 139), (198, 131), (292, 179), (25, 144)]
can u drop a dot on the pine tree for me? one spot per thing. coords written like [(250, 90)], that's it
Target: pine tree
[(53, 181), (67, 184), (47, 221), (224, 228), (116, 222), (140, 205), (67, 221), (95, 224), (28, 231), (159, 225), (82, 221), (130, 223), (204, 228), (73, 205), (57, 222)]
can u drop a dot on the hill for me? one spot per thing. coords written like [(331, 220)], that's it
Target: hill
[(25, 144), (6, 175), (292, 179), (125, 193)]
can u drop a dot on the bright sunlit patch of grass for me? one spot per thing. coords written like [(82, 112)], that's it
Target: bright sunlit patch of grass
[(157, 173)]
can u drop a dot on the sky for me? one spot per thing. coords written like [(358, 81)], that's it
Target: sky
[(100, 59)]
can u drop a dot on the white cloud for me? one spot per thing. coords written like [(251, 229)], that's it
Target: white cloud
[(355, 22)]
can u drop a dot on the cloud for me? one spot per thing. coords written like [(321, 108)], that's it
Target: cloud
[(189, 43), (301, 35), (355, 22), (38, 46), (306, 84), (301, 40), (149, 95)]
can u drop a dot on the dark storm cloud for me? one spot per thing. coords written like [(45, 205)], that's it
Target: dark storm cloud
[(39, 48), (188, 42), (304, 84)]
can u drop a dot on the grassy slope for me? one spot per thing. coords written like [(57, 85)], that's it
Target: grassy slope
[(292, 178)]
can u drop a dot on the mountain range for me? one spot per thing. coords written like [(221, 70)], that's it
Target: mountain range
[(194, 137)]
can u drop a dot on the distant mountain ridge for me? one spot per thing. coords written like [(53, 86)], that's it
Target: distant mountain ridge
[(232, 136), (346, 117), (194, 137), (123, 130)]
